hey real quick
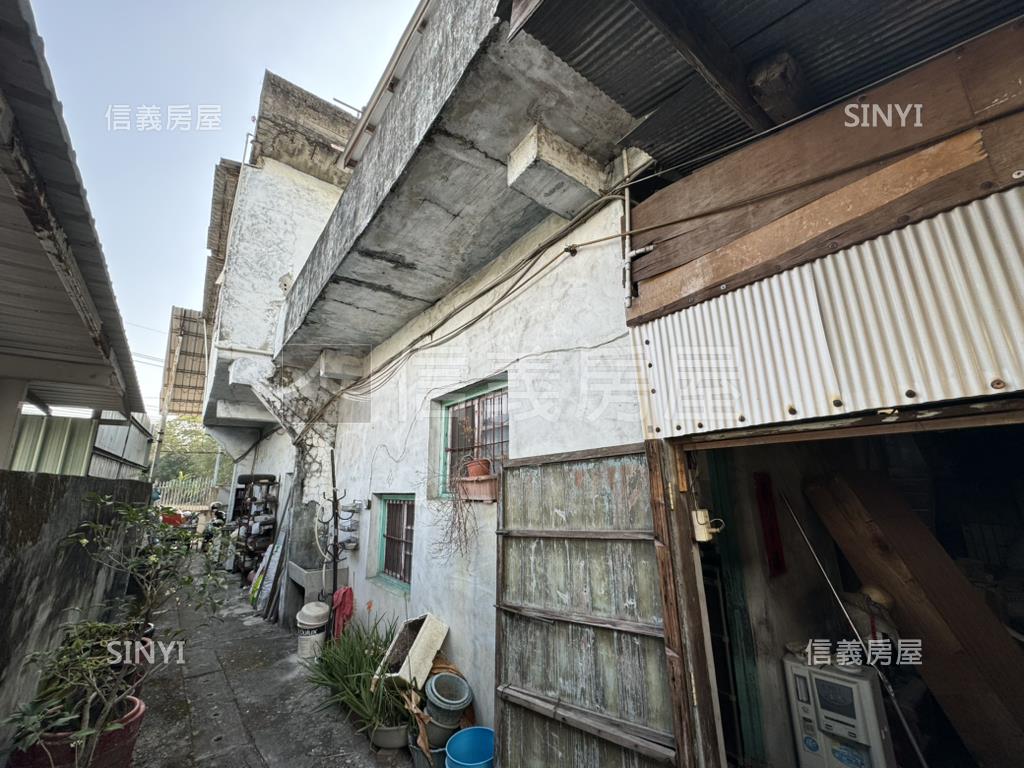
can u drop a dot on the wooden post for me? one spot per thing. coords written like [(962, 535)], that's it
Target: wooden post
[(969, 661), (698, 740)]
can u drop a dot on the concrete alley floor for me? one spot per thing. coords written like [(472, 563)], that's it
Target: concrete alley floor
[(241, 700)]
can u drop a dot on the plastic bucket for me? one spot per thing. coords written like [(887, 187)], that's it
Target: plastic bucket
[(311, 621), (448, 696), (471, 748)]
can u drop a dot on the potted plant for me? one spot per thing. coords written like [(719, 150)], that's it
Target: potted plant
[(85, 711), (345, 669)]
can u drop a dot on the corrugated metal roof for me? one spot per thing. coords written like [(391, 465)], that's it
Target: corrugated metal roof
[(185, 363), (28, 87), (926, 314), (841, 47), (614, 46)]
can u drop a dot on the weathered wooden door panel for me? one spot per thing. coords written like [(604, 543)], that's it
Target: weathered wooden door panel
[(536, 741), (581, 674)]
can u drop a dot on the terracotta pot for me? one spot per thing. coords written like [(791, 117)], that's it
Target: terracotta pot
[(114, 751), (478, 468)]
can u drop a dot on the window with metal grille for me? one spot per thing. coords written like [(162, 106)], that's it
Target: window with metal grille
[(476, 427), (398, 517)]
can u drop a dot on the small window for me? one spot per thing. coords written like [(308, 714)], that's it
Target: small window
[(476, 427), (398, 517)]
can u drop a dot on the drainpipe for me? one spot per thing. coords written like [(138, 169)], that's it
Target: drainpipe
[(627, 220)]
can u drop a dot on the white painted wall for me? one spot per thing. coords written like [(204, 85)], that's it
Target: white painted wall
[(278, 215), (562, 342)]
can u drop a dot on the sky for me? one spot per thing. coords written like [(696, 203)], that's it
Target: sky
[(150, 190)]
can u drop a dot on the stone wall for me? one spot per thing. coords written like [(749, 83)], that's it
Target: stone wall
[(41, 584)]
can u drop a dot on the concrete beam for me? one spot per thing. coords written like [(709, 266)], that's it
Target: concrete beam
[(234, 440), (553, 173), (244, 412), (12, 393), (341, 367)]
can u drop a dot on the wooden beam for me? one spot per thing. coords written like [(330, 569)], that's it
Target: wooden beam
[(970, 663), (586, 620), (591, 535), (974, 415), (704, 49), (635, 738), (752, 187), (584, 455), (860, 207)]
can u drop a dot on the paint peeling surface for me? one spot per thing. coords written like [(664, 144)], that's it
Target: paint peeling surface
[(582, 625), (925, 314)]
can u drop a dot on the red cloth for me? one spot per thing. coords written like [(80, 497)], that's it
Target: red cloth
[(344, 607)]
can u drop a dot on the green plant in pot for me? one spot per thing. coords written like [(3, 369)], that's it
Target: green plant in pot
[(85, 712), (345, 669)]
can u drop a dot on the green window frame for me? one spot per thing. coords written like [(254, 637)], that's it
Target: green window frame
[(486, 406), (397, 523)]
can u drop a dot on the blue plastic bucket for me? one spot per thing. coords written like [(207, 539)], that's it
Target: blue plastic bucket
[(471, 748)]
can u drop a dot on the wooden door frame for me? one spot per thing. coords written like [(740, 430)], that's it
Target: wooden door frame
[(698, 727)]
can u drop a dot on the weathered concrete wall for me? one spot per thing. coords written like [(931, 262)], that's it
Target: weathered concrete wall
[(42, 584), (278, 215), (561, 341), (451, 40)]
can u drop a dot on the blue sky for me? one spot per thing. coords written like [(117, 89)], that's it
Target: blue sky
[(150, 191)]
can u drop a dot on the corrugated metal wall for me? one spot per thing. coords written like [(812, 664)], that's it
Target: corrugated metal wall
[(925, 314), (56, 445), (580, 636)]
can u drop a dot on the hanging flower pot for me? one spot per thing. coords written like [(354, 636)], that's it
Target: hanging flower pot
[(478, 468)]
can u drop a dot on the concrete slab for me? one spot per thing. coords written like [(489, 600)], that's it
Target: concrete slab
[(241, 700)]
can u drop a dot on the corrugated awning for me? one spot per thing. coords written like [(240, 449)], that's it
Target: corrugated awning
[(185, 364)]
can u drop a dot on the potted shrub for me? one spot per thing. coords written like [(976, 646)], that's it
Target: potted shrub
[(85, 711)]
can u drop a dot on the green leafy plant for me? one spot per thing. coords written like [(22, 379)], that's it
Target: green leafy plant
[(83, 690), (345, 669), (162, 561)]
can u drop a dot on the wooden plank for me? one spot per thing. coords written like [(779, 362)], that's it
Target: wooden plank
[(762, 181), (970, 663), (855, 210), (644, 741), (593, 535), (668, 551), (704, 49), (619, 625), (585, 455)]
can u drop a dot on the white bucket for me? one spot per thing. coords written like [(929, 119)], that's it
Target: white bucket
[(312, 624)]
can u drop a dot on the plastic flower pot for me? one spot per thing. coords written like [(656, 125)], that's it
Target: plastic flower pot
[(448, 696), (478, 468), (471, 748), (389, 736), (114, 750)]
